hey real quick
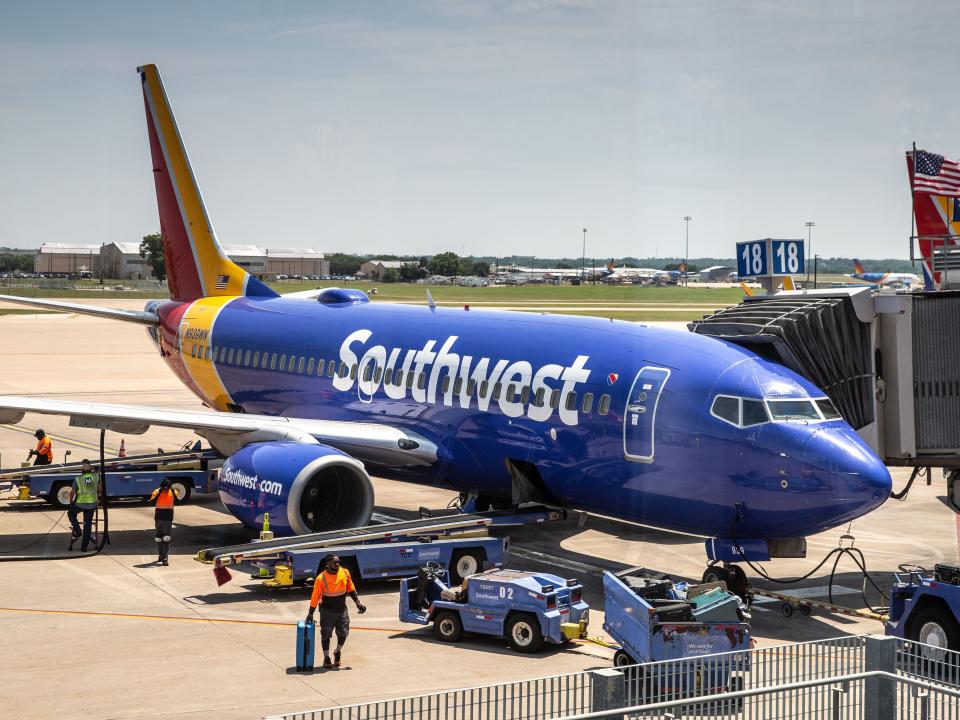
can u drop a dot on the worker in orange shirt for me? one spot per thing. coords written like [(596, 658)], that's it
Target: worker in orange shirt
[(44, 451), (165, 499), (330, 591)]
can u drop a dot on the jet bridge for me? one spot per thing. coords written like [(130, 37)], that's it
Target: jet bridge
[(889, 361)]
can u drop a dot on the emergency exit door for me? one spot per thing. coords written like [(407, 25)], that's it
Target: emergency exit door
[(641, 414)]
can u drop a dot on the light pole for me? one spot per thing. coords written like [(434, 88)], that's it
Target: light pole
[(583, 258), (686, 252), (808, 253)]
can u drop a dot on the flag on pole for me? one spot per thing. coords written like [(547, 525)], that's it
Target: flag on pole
[(935, 175)]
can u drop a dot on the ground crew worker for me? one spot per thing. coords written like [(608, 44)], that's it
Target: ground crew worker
[(44, 451), (330, 591), (163, 518), (83, 498)]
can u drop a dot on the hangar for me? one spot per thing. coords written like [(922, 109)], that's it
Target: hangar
[(60, 258)]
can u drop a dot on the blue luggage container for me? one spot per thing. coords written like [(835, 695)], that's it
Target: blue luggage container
[(306, 633)]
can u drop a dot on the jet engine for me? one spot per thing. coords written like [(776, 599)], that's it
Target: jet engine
[(305, 488)]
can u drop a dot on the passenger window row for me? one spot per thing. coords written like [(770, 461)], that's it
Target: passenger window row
[(372, 372)]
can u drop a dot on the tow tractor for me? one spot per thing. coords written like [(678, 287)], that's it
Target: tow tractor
[(527, 608), (926, 608), (128, 477), (457, 540)]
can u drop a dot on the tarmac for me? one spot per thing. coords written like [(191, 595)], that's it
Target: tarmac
[(117, 636)]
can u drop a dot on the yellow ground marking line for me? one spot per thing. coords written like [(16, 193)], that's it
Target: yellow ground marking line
[(178, 618), (61, 438)]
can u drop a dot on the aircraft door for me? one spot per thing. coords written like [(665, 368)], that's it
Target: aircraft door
[(641, 413)]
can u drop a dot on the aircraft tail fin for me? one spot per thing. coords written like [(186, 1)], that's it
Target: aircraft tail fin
[(196, 264), (858, 267)]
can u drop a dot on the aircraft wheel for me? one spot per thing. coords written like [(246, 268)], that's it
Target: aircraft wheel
[(523, 633), (716, 573), (447, 626), (786, 609)]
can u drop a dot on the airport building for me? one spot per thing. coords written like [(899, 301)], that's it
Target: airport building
[(122, 261), (251, 258), (292, 261), (64, 258), (374, 269)]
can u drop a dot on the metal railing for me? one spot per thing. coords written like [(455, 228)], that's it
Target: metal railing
[(917, 700), (743, 670), (868, 677), (540, 699)]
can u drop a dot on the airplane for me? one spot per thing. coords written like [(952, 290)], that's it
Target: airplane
[(888, 278), (308, 395), (627, 274)]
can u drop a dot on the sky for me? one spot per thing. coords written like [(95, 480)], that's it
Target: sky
[(479, 127)]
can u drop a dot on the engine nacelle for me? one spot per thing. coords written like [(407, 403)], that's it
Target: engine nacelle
[(305, 488)]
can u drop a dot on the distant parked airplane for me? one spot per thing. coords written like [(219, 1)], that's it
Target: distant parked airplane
[(307, 395), (887, 278)]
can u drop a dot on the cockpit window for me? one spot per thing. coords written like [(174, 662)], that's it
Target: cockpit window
[(828, 410), (727, 408), (793, 410), (754, 413)]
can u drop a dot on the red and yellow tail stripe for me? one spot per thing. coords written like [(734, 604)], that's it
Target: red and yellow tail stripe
[(196, 264)]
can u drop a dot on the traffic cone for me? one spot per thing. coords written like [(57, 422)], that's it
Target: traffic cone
[(123, 449)]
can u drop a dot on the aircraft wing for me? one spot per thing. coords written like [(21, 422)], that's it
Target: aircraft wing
[(228, 432), (138, 316)]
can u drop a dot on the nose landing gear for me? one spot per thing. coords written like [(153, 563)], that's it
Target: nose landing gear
[(733, 576)]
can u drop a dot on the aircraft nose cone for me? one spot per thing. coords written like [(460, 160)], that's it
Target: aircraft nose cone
[(851, 480)]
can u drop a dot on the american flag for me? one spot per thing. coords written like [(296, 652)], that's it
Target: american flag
[(222, 281), (935, 175)]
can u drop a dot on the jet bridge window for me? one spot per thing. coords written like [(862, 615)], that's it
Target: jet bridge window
[(727, 409), (793, 410)]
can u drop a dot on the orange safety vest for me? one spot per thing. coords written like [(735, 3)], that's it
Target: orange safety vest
[(331, 585), (165, 498), (45, 447)]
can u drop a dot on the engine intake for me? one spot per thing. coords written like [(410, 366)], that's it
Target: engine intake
[(305, 488)]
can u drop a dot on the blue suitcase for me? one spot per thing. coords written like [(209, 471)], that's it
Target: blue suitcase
[(306, 632)]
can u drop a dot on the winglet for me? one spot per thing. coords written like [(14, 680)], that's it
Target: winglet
[(430, 303)]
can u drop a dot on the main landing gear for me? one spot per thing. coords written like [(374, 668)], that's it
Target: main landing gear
[(733, 576)]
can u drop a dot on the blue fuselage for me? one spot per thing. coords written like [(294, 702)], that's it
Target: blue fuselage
[(610, 417)]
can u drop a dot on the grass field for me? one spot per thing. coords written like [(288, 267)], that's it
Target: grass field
[(618, 302)]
